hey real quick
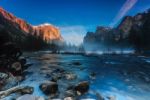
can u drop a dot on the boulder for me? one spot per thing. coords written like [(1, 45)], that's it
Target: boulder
[(82, 87), (68, 98), (49, 87), (27, 90)]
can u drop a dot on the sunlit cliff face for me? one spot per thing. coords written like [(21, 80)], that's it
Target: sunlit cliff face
[(21, 24), (46, 31)]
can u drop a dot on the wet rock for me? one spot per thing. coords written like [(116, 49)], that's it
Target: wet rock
[(92, 75), (27, 90), (26, 66), (58, 70), (16, 66), (57, 76), (111, 98), (68, 98), (49, 87), (30, 97), (54, 80), (70, 76), (99, 96), (9, 82), (23, 61), (77, 63), (3, 76), (70, 93), (20, 78), (82, 87)]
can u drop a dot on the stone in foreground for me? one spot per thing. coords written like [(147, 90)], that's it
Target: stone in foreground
[(49, 87), (82, 87)]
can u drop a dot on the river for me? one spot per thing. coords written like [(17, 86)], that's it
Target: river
[(123, 77)]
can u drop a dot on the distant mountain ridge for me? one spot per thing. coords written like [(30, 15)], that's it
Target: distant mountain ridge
[(132, 31)]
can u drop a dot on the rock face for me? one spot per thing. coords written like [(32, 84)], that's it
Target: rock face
[(48, 32), (133, 30), (18, 29), (82, 88), (49, 88), (101, 38)]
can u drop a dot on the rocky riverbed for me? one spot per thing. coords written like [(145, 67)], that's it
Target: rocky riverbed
[(75, 77)]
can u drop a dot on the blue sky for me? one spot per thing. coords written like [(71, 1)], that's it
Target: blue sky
[(74, 17)]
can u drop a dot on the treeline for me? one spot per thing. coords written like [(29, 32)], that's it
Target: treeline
[(24, 42)]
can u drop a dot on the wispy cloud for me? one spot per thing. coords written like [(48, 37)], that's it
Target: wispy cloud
[(73, 34), (122, 12)]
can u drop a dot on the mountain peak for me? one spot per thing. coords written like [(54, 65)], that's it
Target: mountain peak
[(47, 31), (43, 25)]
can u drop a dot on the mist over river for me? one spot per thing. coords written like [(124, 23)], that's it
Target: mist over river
[(121, 77)]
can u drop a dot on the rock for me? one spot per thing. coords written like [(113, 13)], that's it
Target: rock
[(99, 96), (56, 76), (53, 80), (9, 82), (68, 98), (82, 87), (27, 90), (70, 93), (19, 78), (3, 76), (23, 61), (49, 87), (112, 98), (70, 76), (30, 97), (76, 63), (92, 75), (16, 66)]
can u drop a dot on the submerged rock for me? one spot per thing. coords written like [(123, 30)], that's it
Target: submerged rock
[(27, 90), (99, 96), (92, 75), (70, 93), (49, 87), (30, 97), (77, 63), (70, 76), (68, 98), (112, 98), (82, 87)]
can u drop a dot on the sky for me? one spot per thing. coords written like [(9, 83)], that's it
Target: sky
[(74, 17)]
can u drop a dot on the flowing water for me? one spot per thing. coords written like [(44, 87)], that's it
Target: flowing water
[(124, 77)]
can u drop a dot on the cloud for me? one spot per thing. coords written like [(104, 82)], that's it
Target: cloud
[(122, 12), (73, 34)]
